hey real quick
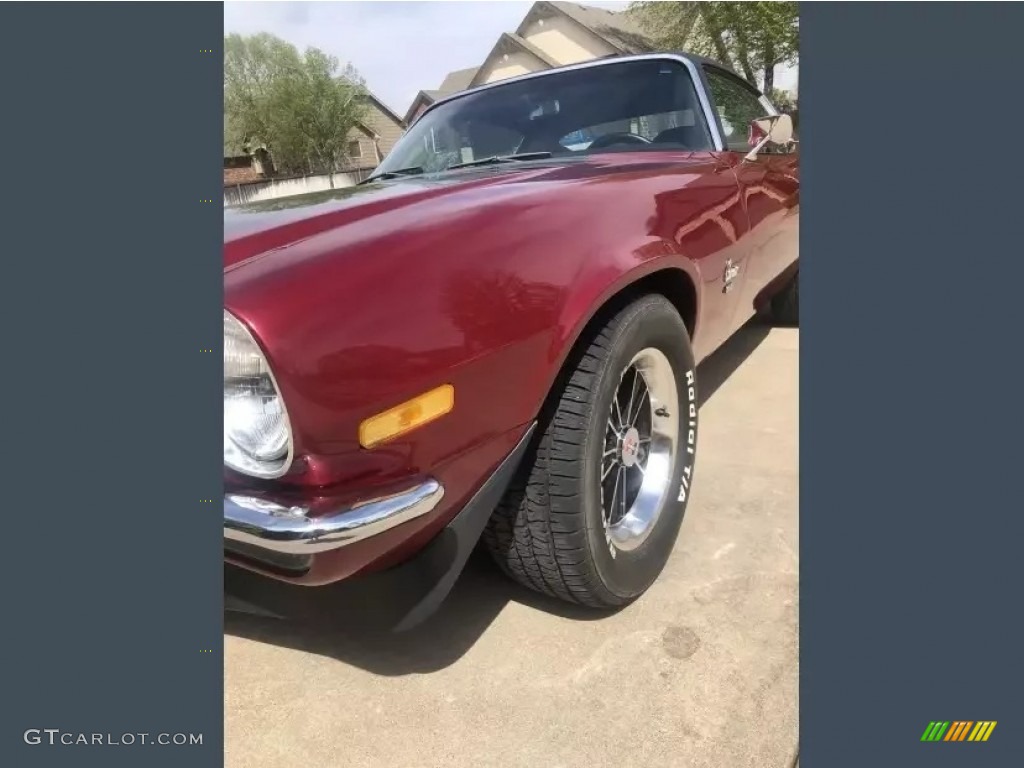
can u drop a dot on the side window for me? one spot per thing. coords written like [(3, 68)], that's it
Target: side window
[(737, 106), (645, 105)]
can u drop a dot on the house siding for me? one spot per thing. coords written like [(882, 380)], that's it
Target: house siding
[(565, 41), (384, 126), (387, 129), (366, 157), (516, 64)]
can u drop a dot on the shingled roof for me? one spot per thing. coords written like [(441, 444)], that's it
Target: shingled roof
[(617, 29)]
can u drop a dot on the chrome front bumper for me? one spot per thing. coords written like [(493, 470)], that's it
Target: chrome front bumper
[(290, 530)]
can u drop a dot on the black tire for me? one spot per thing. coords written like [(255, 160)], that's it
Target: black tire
[(786, 305), (548, 532)]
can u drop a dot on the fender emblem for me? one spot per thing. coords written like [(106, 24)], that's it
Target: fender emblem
[(731, 271)]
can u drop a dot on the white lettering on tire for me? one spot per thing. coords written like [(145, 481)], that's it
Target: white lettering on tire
[(691, 435)]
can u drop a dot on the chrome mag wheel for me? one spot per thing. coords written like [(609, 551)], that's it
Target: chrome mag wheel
[(594, 515), (640, 447)]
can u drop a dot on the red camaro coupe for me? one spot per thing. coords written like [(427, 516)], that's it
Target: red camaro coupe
[(495, 336)]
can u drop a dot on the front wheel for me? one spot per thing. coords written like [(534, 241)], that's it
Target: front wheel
[(595, 511)]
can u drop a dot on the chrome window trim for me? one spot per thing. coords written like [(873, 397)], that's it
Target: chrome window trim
[(772, 110), (290, 455), (691, 67)]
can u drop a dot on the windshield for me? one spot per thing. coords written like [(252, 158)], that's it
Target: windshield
[(648, 104)]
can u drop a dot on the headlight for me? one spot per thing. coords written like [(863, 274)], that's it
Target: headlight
[(257, 435)]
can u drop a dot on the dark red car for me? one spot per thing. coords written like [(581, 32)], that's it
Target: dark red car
[(496, 335)]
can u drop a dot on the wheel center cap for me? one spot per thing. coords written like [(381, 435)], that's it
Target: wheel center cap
[(630, 447)]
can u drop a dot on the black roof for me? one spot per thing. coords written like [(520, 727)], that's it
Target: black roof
[(704, 60)]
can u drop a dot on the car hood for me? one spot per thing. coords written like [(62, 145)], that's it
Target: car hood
[(257, 229)]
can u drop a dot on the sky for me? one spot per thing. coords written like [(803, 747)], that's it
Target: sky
[(399, 48)]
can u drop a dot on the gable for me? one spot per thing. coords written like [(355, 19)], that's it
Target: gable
[(423, 100), (380, 123), (506, 66), (458, 80), (381, 111), (565, 41), (512, 55)]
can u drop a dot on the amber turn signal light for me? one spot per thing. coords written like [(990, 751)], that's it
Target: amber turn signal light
[(406, 417)]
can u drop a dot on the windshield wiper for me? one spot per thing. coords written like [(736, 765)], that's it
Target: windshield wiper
[(495, 159), (413, 170), (417, 170)]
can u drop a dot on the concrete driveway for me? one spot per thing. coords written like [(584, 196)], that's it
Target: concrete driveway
[(702, 671)]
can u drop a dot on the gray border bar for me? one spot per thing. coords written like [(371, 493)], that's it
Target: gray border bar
[(911, 407), (111, 290)]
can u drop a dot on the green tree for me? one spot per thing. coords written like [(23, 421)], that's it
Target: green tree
[(783, 100), (296, 106), (753, 38)]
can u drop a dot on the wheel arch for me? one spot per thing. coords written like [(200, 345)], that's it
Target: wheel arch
[(674, 283)]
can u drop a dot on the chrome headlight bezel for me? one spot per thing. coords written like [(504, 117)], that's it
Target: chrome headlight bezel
[(236, 457)]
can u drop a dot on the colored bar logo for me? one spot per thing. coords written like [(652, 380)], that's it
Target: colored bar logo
[(958, 730)]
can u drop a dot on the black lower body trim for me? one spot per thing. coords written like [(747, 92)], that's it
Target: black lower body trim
[(399, 598), (279, 562)]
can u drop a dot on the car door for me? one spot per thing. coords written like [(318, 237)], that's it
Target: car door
[(769, 191)]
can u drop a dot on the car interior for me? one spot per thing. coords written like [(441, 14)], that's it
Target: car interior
[(639, 105)]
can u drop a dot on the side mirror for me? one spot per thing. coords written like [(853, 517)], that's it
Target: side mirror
[(774, 129)]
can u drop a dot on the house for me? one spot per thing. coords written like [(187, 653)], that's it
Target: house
[(368, 143), (238, 169), (374, 137), (246, 168), (453, 83), (552, 34)]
